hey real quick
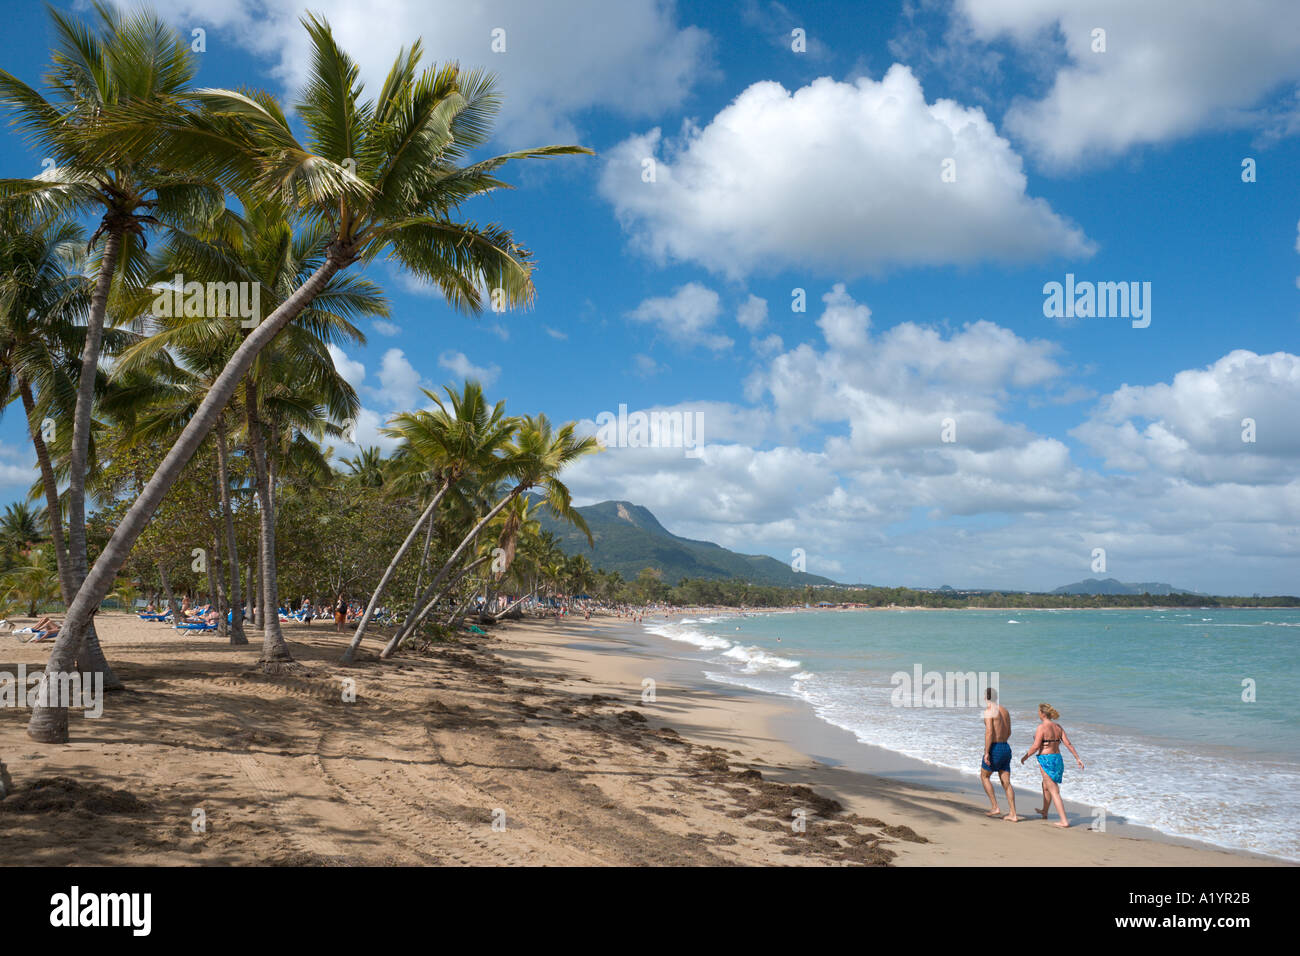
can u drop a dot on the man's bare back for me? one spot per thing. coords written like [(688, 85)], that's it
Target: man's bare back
[(1001, 722)]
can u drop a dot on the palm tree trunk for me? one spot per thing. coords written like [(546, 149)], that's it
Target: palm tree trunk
[(49, 724), (511, 607), (259, 585), (90, 656), (237, 635), (459, 613), (217, 585), (351, 650), (275, 652), (53, 509), (171, 596), (409, 628), (85, 398), (413, 620), (424, 560)]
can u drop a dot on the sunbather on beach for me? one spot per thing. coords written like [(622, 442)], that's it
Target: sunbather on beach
[(46, 629), (1047, 746), (997, 755), (41, 625)]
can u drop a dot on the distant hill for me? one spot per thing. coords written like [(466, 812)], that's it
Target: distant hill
[(629, 538), (1112, 586)]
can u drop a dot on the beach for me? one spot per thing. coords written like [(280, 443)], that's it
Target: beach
[(539, 744)]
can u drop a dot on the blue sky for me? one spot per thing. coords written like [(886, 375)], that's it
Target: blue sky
[(777, 169)]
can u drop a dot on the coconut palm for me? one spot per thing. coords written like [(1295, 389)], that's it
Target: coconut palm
[(42, 294), (533, 459), (259, 247), (20, 526), (44, 297), (463, 438), (290, 397), (366, 470), (124, 594), (518, 540), (125, 59), (32, 582), (305, 393), (381, 177)]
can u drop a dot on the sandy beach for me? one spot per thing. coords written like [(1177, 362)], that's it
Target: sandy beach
[(536, 745)]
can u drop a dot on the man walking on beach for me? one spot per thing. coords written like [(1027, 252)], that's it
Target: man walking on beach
[(997, 754)]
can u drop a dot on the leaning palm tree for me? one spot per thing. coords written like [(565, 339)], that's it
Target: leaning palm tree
[(125, 60), (383, 177), (463, 438), (534, 459), (260, 247), (518, 531)]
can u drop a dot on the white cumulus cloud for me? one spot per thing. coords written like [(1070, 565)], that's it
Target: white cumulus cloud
[(836, 178)]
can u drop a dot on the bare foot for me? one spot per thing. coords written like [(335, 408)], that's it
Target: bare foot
[(1012, 818), (995, 812), (1043, 813), (1063, 826)]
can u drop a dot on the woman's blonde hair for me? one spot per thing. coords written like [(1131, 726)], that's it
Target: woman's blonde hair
[(1048, 711)]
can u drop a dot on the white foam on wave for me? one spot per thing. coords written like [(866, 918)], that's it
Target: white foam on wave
[(1176, 791), (1173, 790), (755, 660), (688, 635)]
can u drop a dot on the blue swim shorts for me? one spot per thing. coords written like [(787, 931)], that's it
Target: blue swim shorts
[(1001, 754)]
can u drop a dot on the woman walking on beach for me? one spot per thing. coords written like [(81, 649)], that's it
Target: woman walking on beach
[(340, 612), (1047, 745)]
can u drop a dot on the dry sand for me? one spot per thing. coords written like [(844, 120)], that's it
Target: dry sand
[(531, 746)]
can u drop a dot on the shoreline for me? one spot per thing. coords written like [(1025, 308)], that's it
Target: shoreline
[(530, 746), (784, 738)]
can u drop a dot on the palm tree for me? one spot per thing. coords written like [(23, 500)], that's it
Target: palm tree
[(20, 526), (366, 470), (518, 544), (308, 391), (260, 247), (125, 595), (41, 295), (381, 177), (132, 59), (463, 438), (533, 459), (32, 582)]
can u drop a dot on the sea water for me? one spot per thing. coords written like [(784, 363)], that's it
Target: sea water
[(1157, 702)]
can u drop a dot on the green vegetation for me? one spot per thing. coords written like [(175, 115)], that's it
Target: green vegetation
[(627, 538), (737, 593), (202, 433)]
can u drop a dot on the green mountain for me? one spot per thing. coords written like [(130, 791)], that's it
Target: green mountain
[(629, 538), (1112, 586)]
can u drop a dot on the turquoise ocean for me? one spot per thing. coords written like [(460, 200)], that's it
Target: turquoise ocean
[(1152, 699)]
